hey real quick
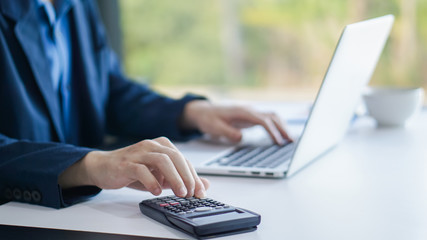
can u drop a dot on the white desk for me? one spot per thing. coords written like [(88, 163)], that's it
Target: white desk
[(372, 186)]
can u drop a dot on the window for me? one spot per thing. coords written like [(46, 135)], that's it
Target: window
[(269, 50)]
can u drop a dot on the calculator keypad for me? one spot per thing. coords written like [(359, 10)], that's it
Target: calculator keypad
[(183, 206)]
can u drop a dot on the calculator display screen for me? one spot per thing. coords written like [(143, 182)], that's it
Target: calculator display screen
[(217, 217)]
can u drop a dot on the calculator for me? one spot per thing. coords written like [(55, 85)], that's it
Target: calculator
[(200, 217)]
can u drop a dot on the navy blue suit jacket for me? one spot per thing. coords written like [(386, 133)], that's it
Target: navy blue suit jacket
[(33, 148)]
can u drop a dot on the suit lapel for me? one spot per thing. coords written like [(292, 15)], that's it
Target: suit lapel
[(28, 35)]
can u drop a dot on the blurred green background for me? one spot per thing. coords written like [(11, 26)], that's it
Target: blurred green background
[(262, 49)]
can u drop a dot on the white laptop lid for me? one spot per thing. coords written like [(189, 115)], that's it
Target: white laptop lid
[(351, 68)]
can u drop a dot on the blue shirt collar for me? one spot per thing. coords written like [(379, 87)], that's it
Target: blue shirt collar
[(57, 10)]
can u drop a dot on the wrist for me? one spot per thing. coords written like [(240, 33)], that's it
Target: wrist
[(88, 165), (80, 173), (192, 112)]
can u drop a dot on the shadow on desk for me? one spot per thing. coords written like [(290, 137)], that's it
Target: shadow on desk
[(18, 232), (118, 209)]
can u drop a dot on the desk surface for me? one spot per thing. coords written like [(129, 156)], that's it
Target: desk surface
[(373, 185)]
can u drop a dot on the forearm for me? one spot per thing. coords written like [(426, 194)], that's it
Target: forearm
[(134, 110)]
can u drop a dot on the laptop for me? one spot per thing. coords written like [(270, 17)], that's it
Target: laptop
[(352, 65)]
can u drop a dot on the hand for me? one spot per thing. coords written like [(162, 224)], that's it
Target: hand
[(228, 120), (147, 165)]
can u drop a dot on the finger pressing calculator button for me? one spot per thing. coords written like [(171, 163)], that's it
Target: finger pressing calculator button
[(202, 209)]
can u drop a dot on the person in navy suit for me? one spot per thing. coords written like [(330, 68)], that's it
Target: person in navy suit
[(62, 91)]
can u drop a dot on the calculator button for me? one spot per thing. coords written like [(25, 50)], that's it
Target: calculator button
[(174, 203), (225, 206), (202, 209), (163, 204), (219, 207)]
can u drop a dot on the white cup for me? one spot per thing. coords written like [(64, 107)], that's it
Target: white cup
[(393, 107)]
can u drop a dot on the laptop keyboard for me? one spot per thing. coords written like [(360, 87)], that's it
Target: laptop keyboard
[(257, 156)]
